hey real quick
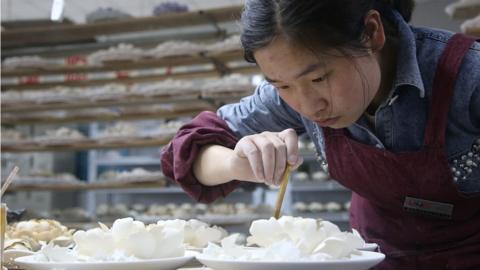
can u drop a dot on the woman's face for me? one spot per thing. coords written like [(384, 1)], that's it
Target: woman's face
[(329, 89)]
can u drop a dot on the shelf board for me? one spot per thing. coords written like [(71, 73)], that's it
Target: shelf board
[(32, 146), (131, 100), (122, 65), (130, 80), (341, 216), (100, 186), (21, 24), (148, 190), (18, 119), (85, 103), (317, 186), (128, 161), (145, 41), (106, 187), (63, 34)]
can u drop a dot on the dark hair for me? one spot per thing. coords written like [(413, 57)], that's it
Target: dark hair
[(327, 23)]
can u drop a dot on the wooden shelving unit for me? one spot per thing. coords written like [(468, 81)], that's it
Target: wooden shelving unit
[(318, 186), (86, 103), (63, 32), (83, 38), (203, 58), (130, 80), (123, 101), (87, 144), (191, 110), (77, 33), (97, 185)]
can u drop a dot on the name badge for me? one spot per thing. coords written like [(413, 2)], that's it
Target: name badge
[(428, 208)]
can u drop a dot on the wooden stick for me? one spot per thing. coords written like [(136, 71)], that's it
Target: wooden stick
[(281, 192), (9, 180)]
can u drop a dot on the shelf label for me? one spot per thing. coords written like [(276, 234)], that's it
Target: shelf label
[(122, 74), (33, 79), (76, 60), (75, 77)]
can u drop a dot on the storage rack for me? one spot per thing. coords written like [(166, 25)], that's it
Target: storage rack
[(82, 38)]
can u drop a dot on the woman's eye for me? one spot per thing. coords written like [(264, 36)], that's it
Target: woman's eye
[(319, 79), (283, 87)]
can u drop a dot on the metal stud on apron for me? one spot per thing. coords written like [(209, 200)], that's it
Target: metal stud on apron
[(408, 202)]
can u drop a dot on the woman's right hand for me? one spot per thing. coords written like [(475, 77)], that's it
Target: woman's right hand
[(263, 157)]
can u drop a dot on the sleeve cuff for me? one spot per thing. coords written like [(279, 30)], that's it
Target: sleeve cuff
[(178, 156)]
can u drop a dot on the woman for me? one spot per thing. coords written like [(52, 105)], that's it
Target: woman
[(394, 112)]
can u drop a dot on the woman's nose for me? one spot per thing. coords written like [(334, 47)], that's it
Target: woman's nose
[(310, 102)]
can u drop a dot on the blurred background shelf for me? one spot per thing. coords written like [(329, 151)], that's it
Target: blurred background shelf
[(129, 161), (170, 61), (32, 146), (100, 186), (66, 48), (77, 33), (248, 69), (335, 217), (20, 118), (315, 186)]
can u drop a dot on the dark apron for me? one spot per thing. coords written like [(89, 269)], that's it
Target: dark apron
[(408, 202)]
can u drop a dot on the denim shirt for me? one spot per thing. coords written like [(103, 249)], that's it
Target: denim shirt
[(400, 120)]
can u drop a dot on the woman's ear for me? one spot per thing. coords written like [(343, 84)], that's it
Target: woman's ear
[(374, 32)]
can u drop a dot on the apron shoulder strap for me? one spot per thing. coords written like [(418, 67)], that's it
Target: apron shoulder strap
[(443, 86)]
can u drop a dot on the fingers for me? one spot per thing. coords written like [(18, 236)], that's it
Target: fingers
[(299, 162), (268, 157), (273, 155), (269, 147), (280, 158), (289, 136), (250, 151), (268, 154)]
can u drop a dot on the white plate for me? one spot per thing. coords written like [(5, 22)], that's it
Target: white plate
[(364, 261), (369, 247), (366, 247), (30, 263)]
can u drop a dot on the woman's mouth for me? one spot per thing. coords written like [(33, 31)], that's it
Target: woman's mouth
[(327, 122)]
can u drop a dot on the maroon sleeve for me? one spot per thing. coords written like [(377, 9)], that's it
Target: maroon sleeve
[(178, 156)]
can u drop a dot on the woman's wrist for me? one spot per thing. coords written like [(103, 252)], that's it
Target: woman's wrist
[(213, 165), (239, 168)]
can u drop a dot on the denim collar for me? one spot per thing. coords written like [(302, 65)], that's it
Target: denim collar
[(408, 71)]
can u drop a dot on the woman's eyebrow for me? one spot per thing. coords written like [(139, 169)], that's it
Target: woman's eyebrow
[(307, 70)]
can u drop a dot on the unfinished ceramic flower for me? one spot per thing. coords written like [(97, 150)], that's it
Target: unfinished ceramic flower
[(127, 240), (198, 233), (169, 241), (58, 254), (292, 239), (96, 243)]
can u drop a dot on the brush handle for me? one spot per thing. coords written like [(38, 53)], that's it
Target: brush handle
[(281, 192), (9, 180)]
